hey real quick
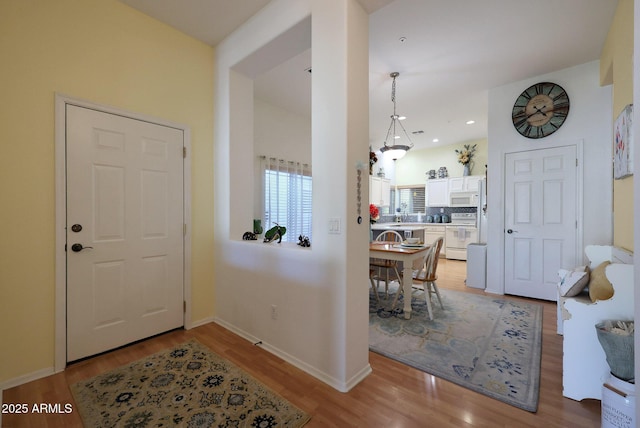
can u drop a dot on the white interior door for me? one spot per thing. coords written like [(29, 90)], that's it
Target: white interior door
[(125, 208), (540, 220)]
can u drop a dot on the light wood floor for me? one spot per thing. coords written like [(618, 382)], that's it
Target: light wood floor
[(394, 395)]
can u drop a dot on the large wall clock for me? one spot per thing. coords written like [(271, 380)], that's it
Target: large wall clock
[(540, 110)]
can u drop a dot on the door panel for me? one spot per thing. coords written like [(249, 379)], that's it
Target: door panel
[(522, 264), (125, 187), (540, 219), (108, 212), (108, 293)]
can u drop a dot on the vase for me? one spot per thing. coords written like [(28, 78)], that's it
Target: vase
[(370, 233), (467, 170)]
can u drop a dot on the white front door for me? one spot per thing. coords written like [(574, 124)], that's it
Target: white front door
[(124, 230), (540, 220)]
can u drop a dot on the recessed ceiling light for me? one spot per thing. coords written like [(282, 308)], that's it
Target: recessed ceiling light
[(402, 117), (418, 132), (403, 39), (435, 140), (470, 122)]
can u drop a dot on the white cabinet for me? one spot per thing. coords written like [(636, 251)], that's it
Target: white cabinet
[(433, 232), (464, 184), (456, 184), (471, 183), (438, 192), (379, 191)]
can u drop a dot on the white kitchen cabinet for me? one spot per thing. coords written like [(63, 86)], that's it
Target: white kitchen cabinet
[(471, 183), (456, 184), (438, 192), (433, 232), (379, 191), (464, 184)]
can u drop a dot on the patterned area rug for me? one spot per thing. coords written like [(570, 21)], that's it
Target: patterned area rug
[(188, 386), (489, 345)]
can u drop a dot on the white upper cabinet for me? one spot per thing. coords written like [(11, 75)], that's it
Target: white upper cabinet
[(438, 192), (456, 184), (464, 184), (379, 191), (471, 183)]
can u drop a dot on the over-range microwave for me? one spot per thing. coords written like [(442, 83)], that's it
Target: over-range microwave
[(463, 199)]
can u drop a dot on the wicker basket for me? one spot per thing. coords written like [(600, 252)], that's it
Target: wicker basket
[(618, 347)]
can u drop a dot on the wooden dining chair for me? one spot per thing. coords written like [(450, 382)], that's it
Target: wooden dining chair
[(381, 266), (426, 273), (374, 287)]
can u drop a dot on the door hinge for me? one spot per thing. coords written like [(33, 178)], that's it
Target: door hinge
[(576, 161), (184, 152), (184, 229), (184, 306)]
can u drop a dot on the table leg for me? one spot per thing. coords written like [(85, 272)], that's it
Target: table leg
[(407, 281)]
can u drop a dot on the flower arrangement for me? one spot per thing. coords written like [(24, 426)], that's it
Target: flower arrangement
[(466, 155), (374, 213), (372, 160)]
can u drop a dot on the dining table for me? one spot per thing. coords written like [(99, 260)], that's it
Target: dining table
[(407, 254)]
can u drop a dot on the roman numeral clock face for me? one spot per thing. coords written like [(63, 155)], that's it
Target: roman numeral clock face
[(540, 110)]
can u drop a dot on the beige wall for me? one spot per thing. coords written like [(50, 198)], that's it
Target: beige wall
[(108, 53), (616, 66), (411, 169)]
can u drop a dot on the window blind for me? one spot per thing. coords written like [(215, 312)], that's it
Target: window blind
[(412, 199), (287, 196)]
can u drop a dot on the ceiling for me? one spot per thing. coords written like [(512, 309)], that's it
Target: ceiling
[(449, 53)]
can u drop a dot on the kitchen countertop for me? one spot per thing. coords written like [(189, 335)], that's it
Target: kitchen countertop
[(413, 226), (398, 226)]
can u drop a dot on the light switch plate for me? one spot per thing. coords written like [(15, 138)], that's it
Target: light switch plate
[(334, 225)]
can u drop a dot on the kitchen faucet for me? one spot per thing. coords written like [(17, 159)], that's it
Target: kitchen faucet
[(400, 217)]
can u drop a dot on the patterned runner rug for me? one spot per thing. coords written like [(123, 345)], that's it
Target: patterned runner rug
[(188, 386), (486, 344)]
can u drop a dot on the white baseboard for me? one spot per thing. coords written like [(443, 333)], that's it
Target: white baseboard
[(20, 380), (358, 377), (329, 380), (199, 323), (50, 370)]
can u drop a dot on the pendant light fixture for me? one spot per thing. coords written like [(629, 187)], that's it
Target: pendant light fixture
[(393, 146)]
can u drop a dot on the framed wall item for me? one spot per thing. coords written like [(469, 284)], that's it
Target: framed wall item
[(540, 110), (623, 144)]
